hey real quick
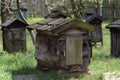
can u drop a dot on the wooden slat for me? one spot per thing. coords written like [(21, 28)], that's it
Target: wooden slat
[(56, 22), (41, 24), (97, 36), (43, 27), (115, 43), (114, 46), (118, 44), (46, 21), (73, 50), (34, 26), (46, 27), (112, 40)]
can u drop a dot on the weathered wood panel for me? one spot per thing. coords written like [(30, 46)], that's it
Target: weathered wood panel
[(117, 54), (73, 50), (14, 40), (97, 36), (115, 45)]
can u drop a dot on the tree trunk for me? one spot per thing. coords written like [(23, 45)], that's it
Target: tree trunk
[(3, 11), (3, 17), (78, 8)]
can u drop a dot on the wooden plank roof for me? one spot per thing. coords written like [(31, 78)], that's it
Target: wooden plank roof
[(115, 24), (49, 24), (61, 24)]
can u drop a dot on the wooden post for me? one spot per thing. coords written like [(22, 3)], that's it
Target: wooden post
[(101, 5)]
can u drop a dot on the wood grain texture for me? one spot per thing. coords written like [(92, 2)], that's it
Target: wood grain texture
[(73, 50)]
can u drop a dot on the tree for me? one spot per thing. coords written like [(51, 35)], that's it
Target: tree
[(113, 11), (5, 11), (97, 4), (78, 7)]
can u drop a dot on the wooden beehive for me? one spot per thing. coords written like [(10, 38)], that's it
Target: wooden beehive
[(14, 35), (63, 43), (96, 21), (115, 38)]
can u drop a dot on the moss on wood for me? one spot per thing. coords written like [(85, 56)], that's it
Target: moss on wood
[(75, 24)]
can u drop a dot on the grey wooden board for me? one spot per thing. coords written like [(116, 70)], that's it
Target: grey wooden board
[(96, 36), (56, 22), (14, 40), (40, 24), (49, 24), (73, 50), (118, 44), (24, 77), (42, 27)]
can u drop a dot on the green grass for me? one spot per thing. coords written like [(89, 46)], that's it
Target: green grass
[(33, 20), (25, 63)]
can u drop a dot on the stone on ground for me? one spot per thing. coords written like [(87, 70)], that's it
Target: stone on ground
[(111, 76)]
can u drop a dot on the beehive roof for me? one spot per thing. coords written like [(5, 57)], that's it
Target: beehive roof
[(61, 24), (91, 17), (114, 24), (14, 22)]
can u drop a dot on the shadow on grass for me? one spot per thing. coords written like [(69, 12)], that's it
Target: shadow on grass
[(43, 75), (25, 74), (57, 76), (25, 71), (101, 56)]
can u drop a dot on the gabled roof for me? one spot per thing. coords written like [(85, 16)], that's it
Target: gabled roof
[(83, 18), (61, 24), (14, 21), (114, 24), (49, 24), (91, 17)]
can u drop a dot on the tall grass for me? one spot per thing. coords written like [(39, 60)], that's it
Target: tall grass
[(17, 63)]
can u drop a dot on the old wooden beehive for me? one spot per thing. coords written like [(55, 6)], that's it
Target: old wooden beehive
[(115, 38), (14, 35), (62, 43), (96, 21)]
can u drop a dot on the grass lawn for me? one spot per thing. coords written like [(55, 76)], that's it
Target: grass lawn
[(25, 63), (36, 19)]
